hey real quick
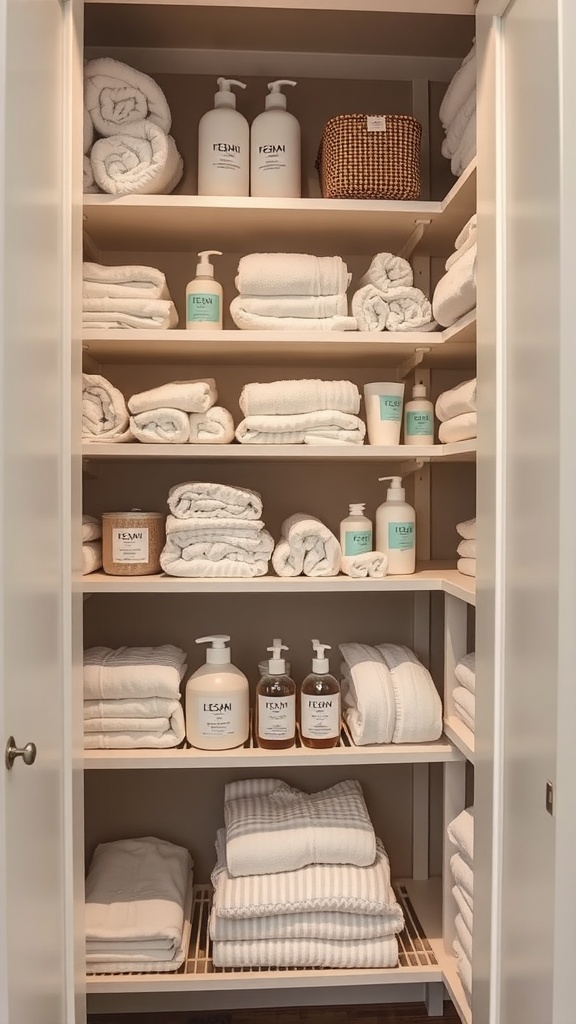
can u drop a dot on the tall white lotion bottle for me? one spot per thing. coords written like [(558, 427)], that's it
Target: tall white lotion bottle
[(275, 164), (204, 296), (396, 529), (224, 146), (217, 700)]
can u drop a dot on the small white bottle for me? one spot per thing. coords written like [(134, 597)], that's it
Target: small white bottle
[(419, 418), (356, 532), (320, 703), (204, 296), (276, 703), (275, 164), (396, 529), (217, 700), (224, 146)]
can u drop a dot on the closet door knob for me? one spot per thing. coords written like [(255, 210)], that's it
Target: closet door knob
[(27, 753)]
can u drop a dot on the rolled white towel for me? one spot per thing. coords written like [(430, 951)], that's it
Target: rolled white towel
[(324, 427), (306, 546), (370, 309), (459, 428), (118, 97), (466, 549), (287, 397), (467, 566), (87, 132), (387, 271), (144, 162), (466, 245), (290, 273), (467, 529), (104, 412), (465, 672), (246, 321), (197, 499), (409, 310), (138, 314), (456, 129), (467, 232), (459, 89), (186, 395), (89, 186), (91, 528), (126, 282), (301, 306), (161, 426), (461, 834), (91, 556), (455, 293), (215, 426), (370, 563), (133, 673), (225, 548)]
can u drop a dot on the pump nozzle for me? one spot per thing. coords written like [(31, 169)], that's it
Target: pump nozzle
[(225, 97), (205, 268), (276, 664), (218, 653), (275, 97), (395, 492), (320, 662)]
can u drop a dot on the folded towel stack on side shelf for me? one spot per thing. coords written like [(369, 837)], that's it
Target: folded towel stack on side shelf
[(126, 297), (388, 696), (136, 153), (293, 292), (301, 881), (301, 412), (387, 300), (456, 410), (215, 530), (461, 835), (132, 697), (455, 293), (467, 547), (104, 412), (138, 907), (458, 115), (91, 544), (180, 412), (464, 694)]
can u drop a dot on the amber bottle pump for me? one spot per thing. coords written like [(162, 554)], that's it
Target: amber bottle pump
[(320, 703), (276, 703)]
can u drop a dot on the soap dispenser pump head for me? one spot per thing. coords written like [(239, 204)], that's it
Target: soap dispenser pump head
[(276, 98), (205, 268), (276, 664), (320, 663), (225, 97), (419, 391), (218, 653), (395, 492)]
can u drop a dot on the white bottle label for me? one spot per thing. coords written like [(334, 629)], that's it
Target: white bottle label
[(271, 157), (226, 156), (376, 123), (419, 424), (400, 536), (277, 717), (219, 716), (203, 307), (356, 542), (130, 545), (320, 715)]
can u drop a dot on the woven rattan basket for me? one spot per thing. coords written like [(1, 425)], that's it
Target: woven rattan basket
[(365, 156)]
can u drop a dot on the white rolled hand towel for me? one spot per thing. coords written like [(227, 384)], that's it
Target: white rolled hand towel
[(87, 132), (387, 271), (143, 161), (466, 549), (186, 395), (91, 528), (373, 564), (409, 310), (306, 546), (130, 313), (324, 427), (161, 426), (457, 400), (126, 282), (291, 273), (104, 412), (459, 428), (455, 293), (206, 500), (302, 306), (215, 426), (467, 529), (467, 566), (89, 186), (455, 130), (287, 397), (117, 97), (370, 309), (466, 150), (459, 89), (461, 834), (246, 321), (91, 556)]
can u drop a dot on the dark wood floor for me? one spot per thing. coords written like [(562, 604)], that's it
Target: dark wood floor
[(405, 1013)]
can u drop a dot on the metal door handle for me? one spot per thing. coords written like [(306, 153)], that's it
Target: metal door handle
[(27, 753)]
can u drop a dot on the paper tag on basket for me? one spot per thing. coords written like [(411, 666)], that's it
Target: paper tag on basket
[(376, 123)]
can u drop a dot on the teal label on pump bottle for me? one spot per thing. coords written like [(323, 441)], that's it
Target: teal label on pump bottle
[(356, 542), (419, 424), (390, 407), (400, 536), (203, 307)]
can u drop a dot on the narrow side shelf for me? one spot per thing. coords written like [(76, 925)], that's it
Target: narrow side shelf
[(459, 451), (461, 736)]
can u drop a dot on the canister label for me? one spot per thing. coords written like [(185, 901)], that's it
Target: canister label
[(390, 407), (203, 307), (400, 536), (130, 545), (356, 542)]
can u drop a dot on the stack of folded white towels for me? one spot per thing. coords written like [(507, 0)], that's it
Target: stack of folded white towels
[(467, 547), (387, 300), (132, 697), (135, 153), (215, 530), (388, 696), (293, 292), (126, 297), (301, 881), (461, 834), (91, 544), (104, 412), (464, 695), (455, 293), (138, 907), (456, 410), (180, 412), (301, 412), (458, 115)]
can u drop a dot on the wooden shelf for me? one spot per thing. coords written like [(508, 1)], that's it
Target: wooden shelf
[(460, 451), (461, 736)]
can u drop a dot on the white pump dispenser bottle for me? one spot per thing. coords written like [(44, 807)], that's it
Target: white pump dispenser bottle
[(396, 529), (224, 146), (356, 532), (419, 418), (275, 148), (320, 703), (276, 703), (204, 296), (217, 700)]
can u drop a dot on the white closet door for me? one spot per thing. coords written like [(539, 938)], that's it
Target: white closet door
[(33, 860)]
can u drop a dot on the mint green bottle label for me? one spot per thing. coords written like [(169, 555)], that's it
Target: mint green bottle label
[(356, 542), (203, 307), (390, 407), (400, 536), (419, 424)]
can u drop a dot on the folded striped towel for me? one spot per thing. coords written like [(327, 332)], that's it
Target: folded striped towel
[(282, 828), (462, 874), (464, 935), (288, 397), (200, 499), (132, 673), (465, 706), (320, 924), (461, 834), (328, 953)]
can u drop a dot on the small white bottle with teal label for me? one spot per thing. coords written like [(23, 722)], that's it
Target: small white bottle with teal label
[(356, 532), (419, 418), (396, 529), (204, 297)]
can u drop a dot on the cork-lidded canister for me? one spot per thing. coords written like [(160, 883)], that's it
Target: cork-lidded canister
[(132, 542)]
